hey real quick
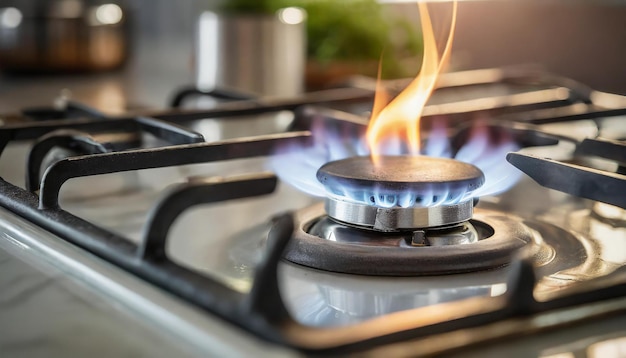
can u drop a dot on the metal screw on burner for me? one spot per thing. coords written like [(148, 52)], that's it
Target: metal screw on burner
[(400, 192), (464, 233)]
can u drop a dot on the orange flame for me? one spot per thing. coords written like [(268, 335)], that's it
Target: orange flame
[(401, 116)]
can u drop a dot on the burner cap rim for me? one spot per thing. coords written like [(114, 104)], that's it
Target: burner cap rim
[(401, 173)]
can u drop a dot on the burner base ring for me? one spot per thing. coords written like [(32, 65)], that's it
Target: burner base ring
[(506, 235), (398, 219)]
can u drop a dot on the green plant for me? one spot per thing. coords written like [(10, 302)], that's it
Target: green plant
[(253, 6), (346, 30)]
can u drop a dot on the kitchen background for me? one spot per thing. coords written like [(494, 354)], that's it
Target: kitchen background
[(584, 40)]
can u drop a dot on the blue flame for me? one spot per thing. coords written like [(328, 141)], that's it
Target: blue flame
[(298, 165)]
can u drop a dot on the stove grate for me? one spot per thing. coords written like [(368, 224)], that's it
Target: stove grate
[(573, 179), (262, 312)]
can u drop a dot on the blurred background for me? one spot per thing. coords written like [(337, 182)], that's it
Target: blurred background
[(131, 54)]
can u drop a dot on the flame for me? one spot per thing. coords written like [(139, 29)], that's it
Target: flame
[(394, 129), (485, 147), (400, 118)]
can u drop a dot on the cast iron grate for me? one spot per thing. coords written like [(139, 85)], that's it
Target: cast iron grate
[(262, 312), (577, 180)]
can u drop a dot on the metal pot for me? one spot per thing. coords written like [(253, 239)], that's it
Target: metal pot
[(62, 35), (260, 54)]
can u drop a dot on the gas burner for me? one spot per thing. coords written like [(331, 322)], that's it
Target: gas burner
[(403, 216), (489, 240), (399, 192)]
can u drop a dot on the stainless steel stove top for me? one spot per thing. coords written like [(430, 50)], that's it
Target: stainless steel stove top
[(574, 242)]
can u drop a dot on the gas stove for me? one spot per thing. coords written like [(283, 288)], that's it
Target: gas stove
[(196, 228)]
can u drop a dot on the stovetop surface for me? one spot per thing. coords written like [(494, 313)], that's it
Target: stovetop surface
[(46, 312), (58, 300), (227, 240)]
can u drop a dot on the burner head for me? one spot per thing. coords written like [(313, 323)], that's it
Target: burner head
[(400, 181), (400, 192)]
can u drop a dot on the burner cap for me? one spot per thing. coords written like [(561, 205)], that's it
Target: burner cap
[(401, 173), (402, 181)]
